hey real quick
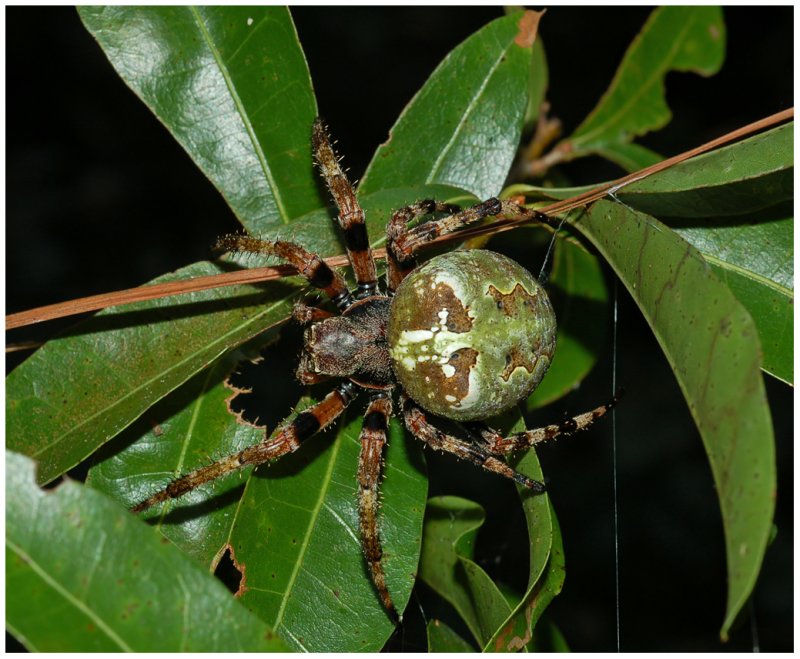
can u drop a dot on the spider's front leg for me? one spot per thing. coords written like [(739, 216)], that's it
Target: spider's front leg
[(373, 439), (287, 440), (419, 426), (499, 445), (402, 242), (351, 215), (309, 265)]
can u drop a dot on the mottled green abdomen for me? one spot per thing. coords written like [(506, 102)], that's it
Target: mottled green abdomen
[(470, 333)]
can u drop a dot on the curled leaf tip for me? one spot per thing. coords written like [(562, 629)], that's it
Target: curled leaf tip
[(528, 26)]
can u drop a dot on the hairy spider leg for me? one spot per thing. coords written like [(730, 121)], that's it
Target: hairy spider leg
[(408, 241), (351, 215), (399, 265), (373, 439), (286, 440), (309, 265), (305, 313), (499, 445), (419, 426)]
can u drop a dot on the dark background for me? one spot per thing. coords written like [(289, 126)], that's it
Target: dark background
[(99, 197)]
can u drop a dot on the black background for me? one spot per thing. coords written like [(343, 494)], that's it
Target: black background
[(99, 197)]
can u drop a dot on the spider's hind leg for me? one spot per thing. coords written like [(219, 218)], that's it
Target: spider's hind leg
[(286, 440), (373, 439), (499, 445), (419, 426)]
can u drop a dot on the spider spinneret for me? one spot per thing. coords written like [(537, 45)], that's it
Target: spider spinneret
[(465, 336)]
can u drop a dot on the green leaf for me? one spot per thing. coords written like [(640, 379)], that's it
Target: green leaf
[(78, 391), (446, 565), (292, 527), (443, 639), (737, 179), (712, 345), (755, 258), (297, 535), (546, 560), (673, 39), (734, 196), (232, 86), (470, 112), (89, 577), (176, 436)]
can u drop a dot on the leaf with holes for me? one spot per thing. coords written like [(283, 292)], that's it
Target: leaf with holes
[(107, 578), (712, 346), (82, 389), (470, 112), (232, 86), (181, 433), (296, 538)]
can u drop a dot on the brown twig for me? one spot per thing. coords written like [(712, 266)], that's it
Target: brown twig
[(255, 275)]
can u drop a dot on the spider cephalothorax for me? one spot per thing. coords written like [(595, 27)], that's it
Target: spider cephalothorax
[(466, 336)]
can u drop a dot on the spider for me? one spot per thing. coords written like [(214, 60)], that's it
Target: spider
[(465, 337)]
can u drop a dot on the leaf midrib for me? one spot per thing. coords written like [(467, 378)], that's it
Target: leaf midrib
[(262, 159), (156, 377), (326, 481), (657, 74)]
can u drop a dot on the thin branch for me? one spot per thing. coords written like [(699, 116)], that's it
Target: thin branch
[(256, 275)]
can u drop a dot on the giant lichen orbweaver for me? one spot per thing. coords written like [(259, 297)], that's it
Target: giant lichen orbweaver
[(466, 336)]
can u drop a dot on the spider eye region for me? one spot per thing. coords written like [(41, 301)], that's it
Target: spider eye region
[(470, 334)]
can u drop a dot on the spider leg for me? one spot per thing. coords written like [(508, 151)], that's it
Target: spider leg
[(373, 439), (499, 445), (403, 242), (351, 215), (304, 313), (422, 429), (309, 265), (286, 440), (399, 264)]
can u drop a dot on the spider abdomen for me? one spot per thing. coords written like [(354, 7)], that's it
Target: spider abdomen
[(470, 334)]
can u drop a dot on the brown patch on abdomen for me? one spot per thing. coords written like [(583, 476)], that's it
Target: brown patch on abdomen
[(442, 297), (512, 303), (457, 385)]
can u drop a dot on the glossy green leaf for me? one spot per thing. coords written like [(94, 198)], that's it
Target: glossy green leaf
[(232, 86), (733, 205), (95, 579), (470, 113), (673, 39), (446, 565), (296, 536), (754, 256), (713, 348), (78, 391), (292, 527), (179, 434), (546, 560), (442, 638), (737, 179)]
